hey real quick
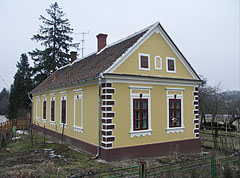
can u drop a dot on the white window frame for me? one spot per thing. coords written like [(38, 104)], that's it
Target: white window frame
[(44, 99), (78, 94), (63, 97), (139, 61), (139, 133), (155, 62), (53, 98), (175, 96), (37, 108), (170, 71)]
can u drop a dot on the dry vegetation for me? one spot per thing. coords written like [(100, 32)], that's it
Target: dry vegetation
[(23, 159)]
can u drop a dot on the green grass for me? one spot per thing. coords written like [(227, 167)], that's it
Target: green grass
[(37, 162)]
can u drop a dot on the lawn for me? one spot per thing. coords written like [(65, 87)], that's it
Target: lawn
[(48, 158), (21, 158)]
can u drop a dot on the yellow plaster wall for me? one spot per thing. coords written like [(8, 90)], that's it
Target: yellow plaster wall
[(158, 116), (90, 113), (155, 46)]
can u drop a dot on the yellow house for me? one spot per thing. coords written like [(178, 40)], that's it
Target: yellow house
[(137, 97)]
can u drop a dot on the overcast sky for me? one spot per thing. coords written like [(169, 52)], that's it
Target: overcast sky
[(206, 31)]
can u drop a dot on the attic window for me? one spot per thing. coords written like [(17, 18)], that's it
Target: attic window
[(144, 61), (171, 65), (158, 63)]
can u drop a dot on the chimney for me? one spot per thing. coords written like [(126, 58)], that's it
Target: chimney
[(73, 56), (102, 41)]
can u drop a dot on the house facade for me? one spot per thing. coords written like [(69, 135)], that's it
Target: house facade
[(137, 97)]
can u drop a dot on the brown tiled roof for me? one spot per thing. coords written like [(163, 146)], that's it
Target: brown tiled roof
[(88, 67)]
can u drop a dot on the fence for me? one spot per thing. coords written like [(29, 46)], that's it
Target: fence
[(209, 166), (20, 123), (7, 128), (224, 140)]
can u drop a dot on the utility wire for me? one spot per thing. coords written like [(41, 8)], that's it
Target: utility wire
[(5, 82)]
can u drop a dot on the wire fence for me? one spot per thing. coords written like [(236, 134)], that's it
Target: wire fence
[(208, 166), (225, 140)]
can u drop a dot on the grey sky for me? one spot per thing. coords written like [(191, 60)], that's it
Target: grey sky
[(206, 31)]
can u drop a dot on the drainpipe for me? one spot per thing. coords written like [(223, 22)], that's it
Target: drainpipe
[(99, 114)]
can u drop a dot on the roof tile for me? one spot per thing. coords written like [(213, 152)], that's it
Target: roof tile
[(88, 67)]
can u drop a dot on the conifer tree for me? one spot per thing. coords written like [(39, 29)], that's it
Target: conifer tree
[(19, 101), (55, 36), (4, 101)]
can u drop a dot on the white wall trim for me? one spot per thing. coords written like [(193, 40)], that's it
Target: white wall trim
[(156, 28), (78, 96), (155, 63), (63, 92), (52, 99), (74, 85), (175, 89), (44, 99), (37, 108), (63, 97), (78, 90), (137, 96), (171, 71), (172, 96), (143, 80), (140, 87), (139, 61)]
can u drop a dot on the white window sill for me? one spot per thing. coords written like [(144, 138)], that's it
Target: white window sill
[(61, 125), (175, 130), (37, 119), (44, 120), (140, 133), (171, 71), (146, 69), (78, 129), (52, 123)]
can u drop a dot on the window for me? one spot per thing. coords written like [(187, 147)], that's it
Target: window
[(144, 61), (175, 123), (174, 113), (140, 114), (63, 109), (171, 65), (37, 108), (44, 110), (63, 118), (53, 110), (140, 108), (158, 63), (78, 111)]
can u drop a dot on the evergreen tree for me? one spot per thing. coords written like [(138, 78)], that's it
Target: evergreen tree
[(4, 101), (19, 101), (54, 36)]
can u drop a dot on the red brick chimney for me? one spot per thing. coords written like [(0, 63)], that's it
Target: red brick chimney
[(102, 41), (73, 56)]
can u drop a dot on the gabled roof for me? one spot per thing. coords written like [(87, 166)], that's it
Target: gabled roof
[(104, 61), (90, 66)]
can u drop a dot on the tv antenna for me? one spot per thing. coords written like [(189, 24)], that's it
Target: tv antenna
[(82, 41), (5, 82)]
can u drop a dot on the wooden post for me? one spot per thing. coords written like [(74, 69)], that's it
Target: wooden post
[(44, 135), (142, 171), (62, 133)]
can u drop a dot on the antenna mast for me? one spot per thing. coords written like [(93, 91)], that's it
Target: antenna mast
[(83, 40)]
